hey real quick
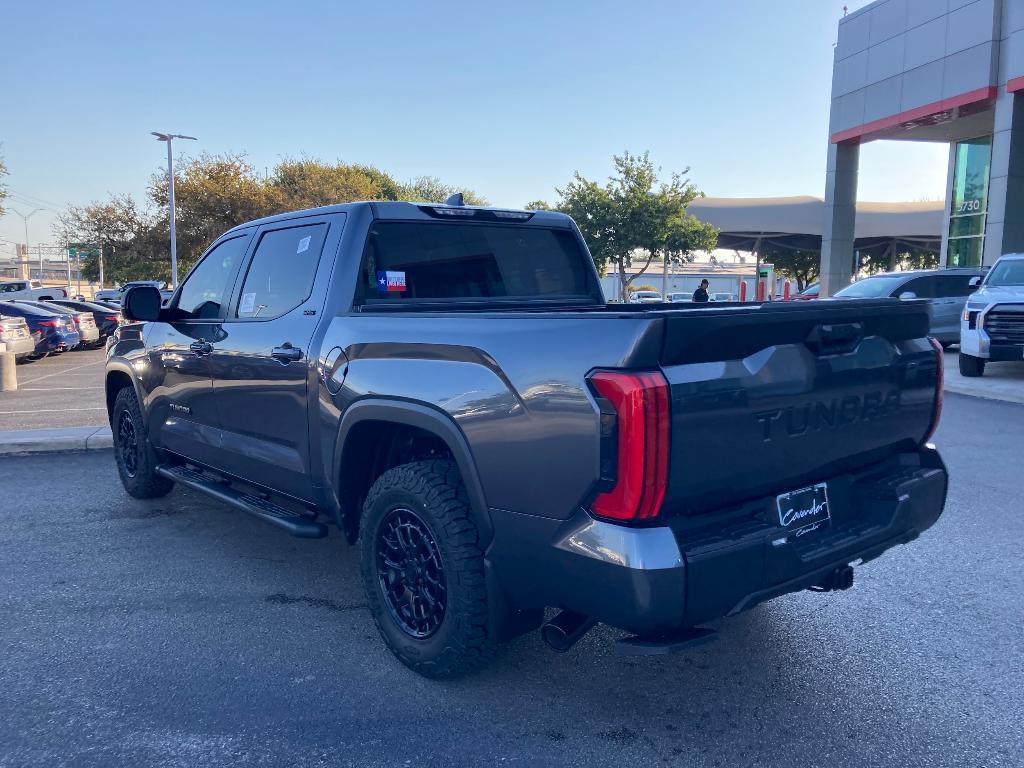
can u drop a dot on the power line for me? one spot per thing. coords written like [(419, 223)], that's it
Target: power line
[(33, 199)]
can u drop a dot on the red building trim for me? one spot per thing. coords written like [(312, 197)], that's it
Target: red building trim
[(1014, 85), (888, 125)]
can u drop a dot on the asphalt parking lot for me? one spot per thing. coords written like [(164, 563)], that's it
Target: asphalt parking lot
[(63, 390), (180, 633)]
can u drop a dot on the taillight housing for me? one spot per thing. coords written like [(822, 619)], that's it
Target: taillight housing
[(940, 383), (634, 447), (48, 323)]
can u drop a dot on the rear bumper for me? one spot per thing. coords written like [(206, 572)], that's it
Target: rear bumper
[(650, 580), (21, 347)]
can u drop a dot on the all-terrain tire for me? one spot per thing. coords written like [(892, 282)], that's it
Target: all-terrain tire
[(971, 366), (136, 459), (429, 500)]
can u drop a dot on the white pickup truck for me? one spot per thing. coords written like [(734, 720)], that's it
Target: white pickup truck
[(29, 289), (992, 325)]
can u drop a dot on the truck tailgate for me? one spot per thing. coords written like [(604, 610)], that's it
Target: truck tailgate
[(774, 398)]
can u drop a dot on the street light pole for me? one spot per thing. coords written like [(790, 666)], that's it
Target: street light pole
[(25, 218), (169, 138)]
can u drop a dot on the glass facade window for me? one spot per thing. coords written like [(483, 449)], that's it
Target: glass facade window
[(970, 202)]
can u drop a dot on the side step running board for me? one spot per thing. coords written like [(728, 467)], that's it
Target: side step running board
[(292, 522)]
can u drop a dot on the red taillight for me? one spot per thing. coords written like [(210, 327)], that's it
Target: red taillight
[(112, 318), (78, 320), (640, 401), (940, 383), (48, 323)]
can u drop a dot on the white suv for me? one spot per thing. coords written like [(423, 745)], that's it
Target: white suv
[(992, 325)]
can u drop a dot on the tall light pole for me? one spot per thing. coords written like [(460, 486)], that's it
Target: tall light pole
[(25, 218), (169, 138)]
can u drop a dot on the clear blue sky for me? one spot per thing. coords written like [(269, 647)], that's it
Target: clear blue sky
[(507, 99)]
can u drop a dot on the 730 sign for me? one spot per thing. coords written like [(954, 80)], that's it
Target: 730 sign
[(969, 206)]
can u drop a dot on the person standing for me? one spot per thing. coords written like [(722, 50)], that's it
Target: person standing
[(701, 294)]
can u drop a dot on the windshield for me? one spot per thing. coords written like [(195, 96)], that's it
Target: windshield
[(1006, 272), (871, 287)]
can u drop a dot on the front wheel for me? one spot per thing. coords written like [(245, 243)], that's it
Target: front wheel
[(136, 459), (423, 569), (971, 366)]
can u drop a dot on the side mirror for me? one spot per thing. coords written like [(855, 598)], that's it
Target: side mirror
[(974, 282), (141, 303), (908, 295)]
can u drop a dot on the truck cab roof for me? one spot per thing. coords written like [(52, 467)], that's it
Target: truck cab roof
[(412, 211)]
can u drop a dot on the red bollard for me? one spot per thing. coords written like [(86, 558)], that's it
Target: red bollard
[(785, 291), (743, 290), (760, 290)]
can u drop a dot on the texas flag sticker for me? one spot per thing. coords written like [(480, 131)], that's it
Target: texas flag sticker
[(390, 281)]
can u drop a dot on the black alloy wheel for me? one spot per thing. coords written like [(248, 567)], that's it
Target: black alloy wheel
[(411, 573)]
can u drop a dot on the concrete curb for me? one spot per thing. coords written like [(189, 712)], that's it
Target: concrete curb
[(22, 442), (1007, 393)]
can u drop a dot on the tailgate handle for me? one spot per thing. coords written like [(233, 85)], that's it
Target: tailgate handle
[(834, 338)]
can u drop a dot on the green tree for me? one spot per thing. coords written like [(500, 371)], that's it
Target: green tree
[(430, 189), (310, 183), (130, 246), (799, 265), (212, 194), (634, 218)]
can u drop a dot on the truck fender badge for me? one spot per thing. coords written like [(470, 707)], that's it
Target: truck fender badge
[(180, 408)]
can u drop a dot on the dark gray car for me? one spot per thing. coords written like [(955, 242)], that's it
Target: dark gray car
[(447, 386), (946, 290)]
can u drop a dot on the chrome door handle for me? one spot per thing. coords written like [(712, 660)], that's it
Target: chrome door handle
[(286, 353), (201, 347)]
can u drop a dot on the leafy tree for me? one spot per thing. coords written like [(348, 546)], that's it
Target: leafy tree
[(308, 184), (430, 189), (538, 205), (635, 218), (123, 233), (801, 266)]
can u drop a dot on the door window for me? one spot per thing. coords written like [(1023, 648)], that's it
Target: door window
[(281, 274), (923, 287), (206, 287)]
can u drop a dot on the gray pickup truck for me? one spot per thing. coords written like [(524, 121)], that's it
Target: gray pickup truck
[(448, 387)]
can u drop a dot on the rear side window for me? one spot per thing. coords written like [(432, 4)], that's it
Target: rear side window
[(281, 274), (954, 285), (409, 261)]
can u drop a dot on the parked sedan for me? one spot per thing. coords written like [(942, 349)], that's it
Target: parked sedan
[(946, 289), (52, 331), (810, 293), (84, 322), (16, 337), (105, 317)]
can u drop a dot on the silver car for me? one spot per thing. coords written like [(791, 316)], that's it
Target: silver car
[(946, 289), (16, 337)]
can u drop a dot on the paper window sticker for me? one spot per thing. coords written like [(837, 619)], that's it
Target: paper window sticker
[(304, 244), (248, 303)]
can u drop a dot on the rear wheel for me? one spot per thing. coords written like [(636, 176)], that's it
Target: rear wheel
[(136, 459), (423, 570), (971, 366)]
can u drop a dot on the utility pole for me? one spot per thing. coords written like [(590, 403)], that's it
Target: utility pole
[(169, 138), (39, 247)]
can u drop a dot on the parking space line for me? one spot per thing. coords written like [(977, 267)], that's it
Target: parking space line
[(65, 371), (52, 410), (53, 389)]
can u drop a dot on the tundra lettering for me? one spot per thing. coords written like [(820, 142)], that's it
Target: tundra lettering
[(836, 413)]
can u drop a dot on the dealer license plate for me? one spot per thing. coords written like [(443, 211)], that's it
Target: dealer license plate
[(805, 510)]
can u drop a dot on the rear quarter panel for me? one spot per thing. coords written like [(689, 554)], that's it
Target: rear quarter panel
[(514, 385)]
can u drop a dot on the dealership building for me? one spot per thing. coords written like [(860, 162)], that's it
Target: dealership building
[(948, 71)]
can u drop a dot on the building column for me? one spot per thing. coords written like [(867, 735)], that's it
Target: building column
[(840, 217), (950, 178), (1004, 225)]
